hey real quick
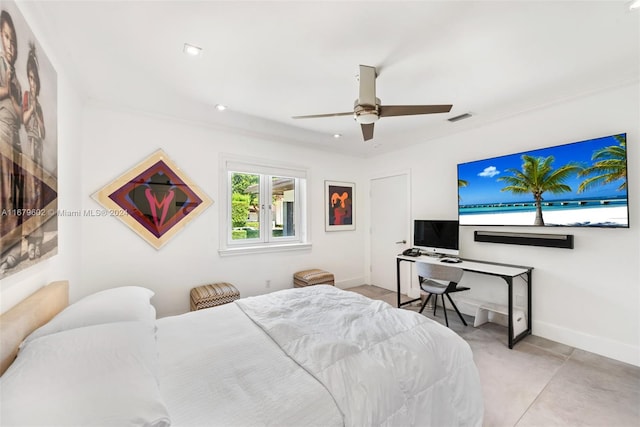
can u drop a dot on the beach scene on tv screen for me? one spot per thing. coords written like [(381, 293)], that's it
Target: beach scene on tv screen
[(582, 184)]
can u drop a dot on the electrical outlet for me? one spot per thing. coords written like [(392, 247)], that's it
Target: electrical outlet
[(268, 284), (520, 300)]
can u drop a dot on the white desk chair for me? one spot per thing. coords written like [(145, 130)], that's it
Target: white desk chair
[(428, 273)]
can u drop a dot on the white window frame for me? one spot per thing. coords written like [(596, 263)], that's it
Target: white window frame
[(267, 243)]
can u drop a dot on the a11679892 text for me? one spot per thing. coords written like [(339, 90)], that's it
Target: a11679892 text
[(24, 212)]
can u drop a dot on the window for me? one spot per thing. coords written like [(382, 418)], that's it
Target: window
[(264, 207)]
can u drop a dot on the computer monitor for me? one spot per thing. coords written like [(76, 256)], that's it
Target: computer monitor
[(436, 236)]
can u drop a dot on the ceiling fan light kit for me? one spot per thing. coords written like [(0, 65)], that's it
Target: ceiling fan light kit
[(367, 108), (365, 114)]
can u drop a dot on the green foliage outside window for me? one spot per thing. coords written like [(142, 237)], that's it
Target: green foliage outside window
[(240, 182), (238, 234), (239, 209)]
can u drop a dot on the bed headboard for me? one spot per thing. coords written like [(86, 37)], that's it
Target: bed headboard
[(27, 316)]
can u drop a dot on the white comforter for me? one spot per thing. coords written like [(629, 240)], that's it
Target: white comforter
[(217, 368), (328, 358), (382, 366)]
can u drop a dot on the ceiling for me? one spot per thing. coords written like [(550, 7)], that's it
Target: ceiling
[(271, 60)]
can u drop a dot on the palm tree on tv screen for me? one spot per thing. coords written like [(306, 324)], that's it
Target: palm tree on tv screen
[(610, 166), (537, 177), (461, 183)]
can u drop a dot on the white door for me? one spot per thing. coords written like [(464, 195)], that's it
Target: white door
[(390, 230)]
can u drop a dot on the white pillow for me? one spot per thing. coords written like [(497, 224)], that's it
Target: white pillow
[(100, 375), (121, 304)]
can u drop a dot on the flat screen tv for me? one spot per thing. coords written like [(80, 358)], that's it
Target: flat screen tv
[(436, 236), (582, 184)]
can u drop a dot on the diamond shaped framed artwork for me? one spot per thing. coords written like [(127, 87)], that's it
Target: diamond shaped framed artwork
[(154, 198)]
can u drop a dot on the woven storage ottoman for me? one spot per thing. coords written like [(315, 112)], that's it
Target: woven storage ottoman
[(211, 295), (314, 276)]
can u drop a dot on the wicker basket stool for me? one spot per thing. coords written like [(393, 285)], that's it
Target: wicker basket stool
[(211, 295), (314, 276)]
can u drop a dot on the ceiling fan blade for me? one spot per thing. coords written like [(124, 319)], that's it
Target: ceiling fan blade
[(367, 93), (411, 110), (367, 131), (315, 116)]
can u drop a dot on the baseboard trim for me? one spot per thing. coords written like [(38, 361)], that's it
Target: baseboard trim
[(350, 283), (594, 344)]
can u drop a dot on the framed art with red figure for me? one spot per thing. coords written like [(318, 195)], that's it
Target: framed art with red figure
[(339, 206)]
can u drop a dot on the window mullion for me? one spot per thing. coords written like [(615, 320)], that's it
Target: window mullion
[(265, 229), (267, 207)]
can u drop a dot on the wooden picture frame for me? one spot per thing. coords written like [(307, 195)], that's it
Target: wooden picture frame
[(154, 198), (339, 206)]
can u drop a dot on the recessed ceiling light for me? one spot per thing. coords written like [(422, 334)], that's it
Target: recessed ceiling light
[(192, 50), (337, 135), (221, 107), (635, 4)]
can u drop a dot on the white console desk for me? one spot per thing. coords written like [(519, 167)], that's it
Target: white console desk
[(507, 272)]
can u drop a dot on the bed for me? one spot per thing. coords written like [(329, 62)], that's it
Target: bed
[(315, 356)]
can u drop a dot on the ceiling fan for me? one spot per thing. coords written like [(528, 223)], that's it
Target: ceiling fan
[(367, 109)]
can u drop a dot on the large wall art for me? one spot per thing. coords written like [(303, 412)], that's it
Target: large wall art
[(28, 147)]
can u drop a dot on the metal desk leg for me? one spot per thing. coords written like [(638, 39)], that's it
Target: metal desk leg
[(510, 319), (529, 323), (523, 334), (398, 278)]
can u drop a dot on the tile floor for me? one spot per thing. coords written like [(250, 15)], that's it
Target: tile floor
[(541, 382)]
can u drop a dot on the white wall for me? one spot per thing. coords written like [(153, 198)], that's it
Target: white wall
[(588, 297), (114, 255)]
